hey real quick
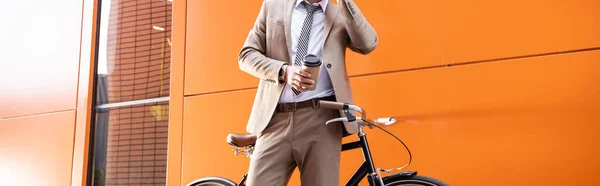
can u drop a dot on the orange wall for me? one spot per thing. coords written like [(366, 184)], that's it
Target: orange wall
[(40, 97), (498, 93), (39, 147), (40, 57)]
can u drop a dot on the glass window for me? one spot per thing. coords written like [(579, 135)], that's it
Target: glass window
[(132, 93), (134, 49), (131, 145)]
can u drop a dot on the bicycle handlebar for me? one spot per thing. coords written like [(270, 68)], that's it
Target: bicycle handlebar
[(363, 121), (342, 106), (331, 105)]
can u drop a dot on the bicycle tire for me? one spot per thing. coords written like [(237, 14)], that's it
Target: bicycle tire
[(212, 181), (414, 180)]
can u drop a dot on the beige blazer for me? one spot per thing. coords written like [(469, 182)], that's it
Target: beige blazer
[(268, 48)]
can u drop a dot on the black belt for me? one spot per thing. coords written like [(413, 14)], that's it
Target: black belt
[(290, 107)]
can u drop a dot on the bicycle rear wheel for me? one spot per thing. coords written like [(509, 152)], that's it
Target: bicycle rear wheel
[(212, 181), (413, 180)]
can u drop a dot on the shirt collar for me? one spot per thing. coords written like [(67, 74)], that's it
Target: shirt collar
[(323, 4)]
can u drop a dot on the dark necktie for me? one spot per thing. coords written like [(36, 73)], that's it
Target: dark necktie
[(303, 40)]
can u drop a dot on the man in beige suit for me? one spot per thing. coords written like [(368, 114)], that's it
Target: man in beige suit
[(290, 127)]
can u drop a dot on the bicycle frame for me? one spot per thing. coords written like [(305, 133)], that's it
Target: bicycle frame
[(367, 168)]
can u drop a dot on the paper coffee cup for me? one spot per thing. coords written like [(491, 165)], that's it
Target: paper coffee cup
[(312, 64)]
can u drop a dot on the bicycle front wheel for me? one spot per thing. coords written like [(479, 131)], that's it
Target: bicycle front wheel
[(212, 181), (414, 180)]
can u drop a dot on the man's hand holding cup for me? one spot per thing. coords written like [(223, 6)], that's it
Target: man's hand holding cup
[(298, 78), (303, 78)]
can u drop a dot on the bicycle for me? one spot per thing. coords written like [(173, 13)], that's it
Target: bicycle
[(244, 143)]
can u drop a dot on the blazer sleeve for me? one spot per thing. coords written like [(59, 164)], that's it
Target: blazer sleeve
[(251, 58), (363, 38)]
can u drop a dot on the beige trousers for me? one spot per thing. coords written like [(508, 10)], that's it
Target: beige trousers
[(298, 139)]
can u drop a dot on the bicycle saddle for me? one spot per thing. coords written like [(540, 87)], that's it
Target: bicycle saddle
[(241, 140)]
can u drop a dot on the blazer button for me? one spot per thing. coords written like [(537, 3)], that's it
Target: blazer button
[(328, 65)]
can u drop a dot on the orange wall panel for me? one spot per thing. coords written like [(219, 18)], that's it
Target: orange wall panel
[(207, 121), (514, 122), (216, 31), (427, 33), (37, 150), (40, 56), (412, 34)]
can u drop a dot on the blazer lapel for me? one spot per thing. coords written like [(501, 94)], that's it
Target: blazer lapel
[(287, 22), (330, 14)]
